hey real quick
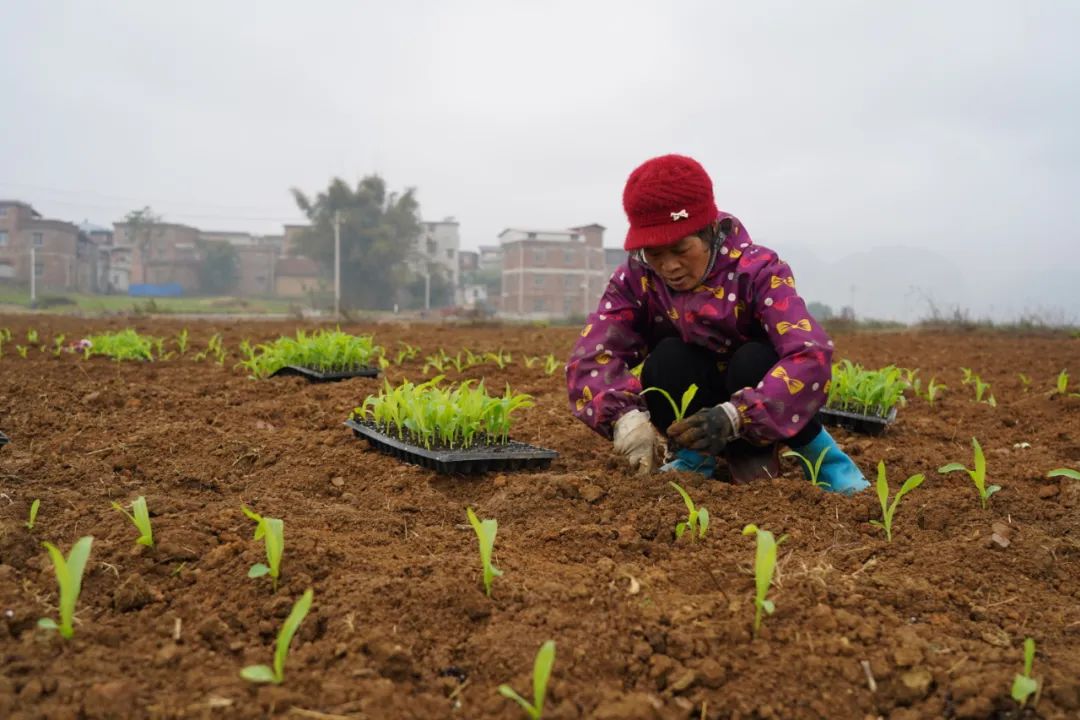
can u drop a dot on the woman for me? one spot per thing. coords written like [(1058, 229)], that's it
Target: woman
[(701, 304)]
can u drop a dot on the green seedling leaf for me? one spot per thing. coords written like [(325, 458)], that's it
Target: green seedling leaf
[(33, 514), (813, 469), (888, 510), (485, 535), (678, 410), (262, 673), (1057, 472), (697, 520), (141, 519), (272, 532), (1024, 685), (69, 574), (764, 565), (545, 660), (977, 474)]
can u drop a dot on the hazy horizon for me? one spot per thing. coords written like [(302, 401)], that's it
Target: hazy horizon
[(907, 150)]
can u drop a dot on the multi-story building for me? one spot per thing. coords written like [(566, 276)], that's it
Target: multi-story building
[(438, 245), (552, 273), (161, 254), (296, 277), (290, 242), (54, 245), (256, 259)]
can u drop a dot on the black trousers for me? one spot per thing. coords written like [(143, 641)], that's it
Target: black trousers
[(674, 365)]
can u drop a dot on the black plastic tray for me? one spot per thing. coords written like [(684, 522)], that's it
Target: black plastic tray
[(857, 422), (3, 439), (316, 376), (512, 456)]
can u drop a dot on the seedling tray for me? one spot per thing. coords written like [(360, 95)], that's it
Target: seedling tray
[(315, 376), (857, 422), (487, 458)]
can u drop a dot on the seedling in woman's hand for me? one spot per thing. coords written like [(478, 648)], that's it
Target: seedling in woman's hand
[(1024, 685), (887, 510), (33, 514), (978, 474), (272, 532), (266, 674), (1057, 472), (813, 468), (687, 398), (545, 659), (485, 535), (141, 519), (764, 564), (69, 574), (697, 521)]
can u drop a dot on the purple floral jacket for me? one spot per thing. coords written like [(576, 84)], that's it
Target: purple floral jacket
[(749, 289)]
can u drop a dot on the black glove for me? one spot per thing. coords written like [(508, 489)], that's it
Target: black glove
[(708, 430)]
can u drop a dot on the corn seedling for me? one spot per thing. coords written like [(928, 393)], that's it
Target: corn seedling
[(32, 336), (140, 516), (545, 660), (981, 388), (687, 398), (530, 361), (58, 345), (427, 415), (123, 345), (1064, 472), (933, 389), (182, 341), (1062, 383), (967, 375), (322, 350), (1024, 685), (276, 674), (551, 364), (764, 565), (272, 532), (407, 352), (69, 574), (697, 519), (33, 514), (22, 350), (978, 473), (887, 509), (500, 358), (438, 362), (1025, 381), (485, 534), (869, 392), (812, 468)]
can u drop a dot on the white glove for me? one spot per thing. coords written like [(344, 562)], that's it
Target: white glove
[(638, 442)]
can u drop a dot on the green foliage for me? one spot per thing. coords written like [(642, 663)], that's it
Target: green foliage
[(1064, 472), (182, 341), (69, 574), (438, 362), (530, 361), (764, 565), (500, 358), (1025, 381), (981, 388), (687, 398), (551, 364), (545, 660), (869, 392), (32, 336), (406, 352), (22, 350), (141, 518), (1062, 384), (276, 675), (214, 349), (1024, 685), (272, 532), (887, 509), (58, 345), (697, 519), (485, 534), (812, 468), (978, 473), (323, 350), (453, 417), (933, 389), (33, 514), (124, 345), (379, 230)]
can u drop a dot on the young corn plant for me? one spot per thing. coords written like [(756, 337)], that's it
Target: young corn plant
[(406, 352), (182, 341), (889, 509), (58, 345), (530, 361), (1024, 685), (1062, 383), (322, 350), (680, 409), (140, 516), (1025, 381), (500, 358), (276, 674), (120, 346), (33, 514), (485, 534), (22, 350), (981, 388), (436, 362), (551, 364), (977, 474), (32, 336), (697, 519), (272, 532), (545, 660), (812, 468), (1064, 472), (868, 392), (69, 572), (764, 565), (933, 389)]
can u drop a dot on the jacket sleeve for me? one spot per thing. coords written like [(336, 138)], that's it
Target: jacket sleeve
[(598, 378), (795, 387)]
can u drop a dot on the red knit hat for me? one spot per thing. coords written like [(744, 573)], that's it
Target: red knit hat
[(666, 199)]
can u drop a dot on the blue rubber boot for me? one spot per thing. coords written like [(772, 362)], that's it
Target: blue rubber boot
[(838, 472), (691, 461)]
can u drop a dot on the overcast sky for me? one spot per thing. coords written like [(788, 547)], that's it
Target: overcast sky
[(949, 132)]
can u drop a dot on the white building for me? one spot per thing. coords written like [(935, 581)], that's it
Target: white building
[(438, 245)]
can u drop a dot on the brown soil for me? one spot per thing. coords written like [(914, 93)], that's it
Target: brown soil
[(645, 627)]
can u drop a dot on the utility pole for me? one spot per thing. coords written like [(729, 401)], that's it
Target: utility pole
[(337, 264), (33, 275)]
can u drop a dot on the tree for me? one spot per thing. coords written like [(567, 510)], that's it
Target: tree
[(220, 268), (140, 225), (379, 231)]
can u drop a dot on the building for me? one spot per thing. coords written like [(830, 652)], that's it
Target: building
[(296, 277), (613, 258), (290, 240), (54, 245), (161, 254), (437, 249), (256, 259), (552, 273)]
